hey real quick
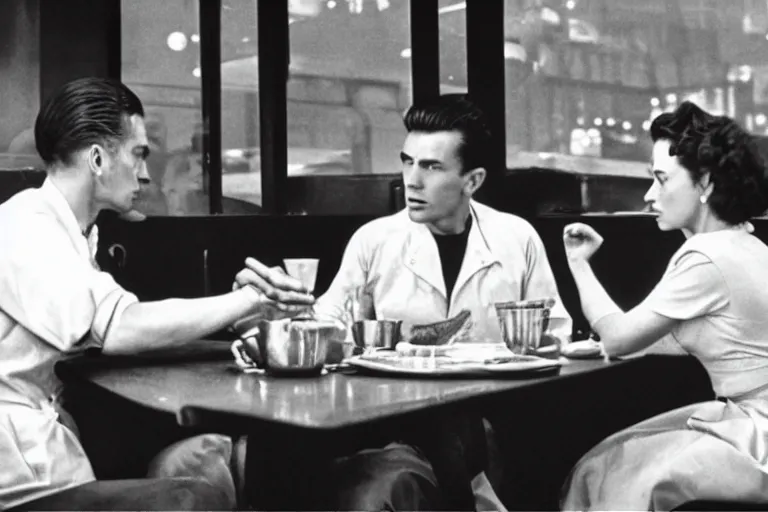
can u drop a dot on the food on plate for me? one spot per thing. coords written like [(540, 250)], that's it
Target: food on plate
[(527, 304), (483, 360), (474, 351), (445, 332)]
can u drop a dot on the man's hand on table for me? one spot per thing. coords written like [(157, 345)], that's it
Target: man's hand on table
[(274, 284)]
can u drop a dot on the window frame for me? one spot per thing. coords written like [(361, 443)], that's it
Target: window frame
[(273, 77)]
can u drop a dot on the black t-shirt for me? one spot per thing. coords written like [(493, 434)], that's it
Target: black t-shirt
[(451, 249)]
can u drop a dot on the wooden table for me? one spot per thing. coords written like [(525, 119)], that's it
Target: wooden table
[(215, 394), (304, 420)]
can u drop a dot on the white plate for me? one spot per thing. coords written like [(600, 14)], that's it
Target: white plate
[(447, 366), (585, 349), (466, 351)]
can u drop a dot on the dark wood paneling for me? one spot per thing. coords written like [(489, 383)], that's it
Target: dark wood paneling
[(372, 194), (165, 254), (13, 181), (534, 192)]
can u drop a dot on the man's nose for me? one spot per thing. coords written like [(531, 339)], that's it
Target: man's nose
[(412, 177), (143, 174), (652, 194)]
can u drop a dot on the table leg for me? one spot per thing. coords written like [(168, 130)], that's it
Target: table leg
[(454, 444), (287, 469)]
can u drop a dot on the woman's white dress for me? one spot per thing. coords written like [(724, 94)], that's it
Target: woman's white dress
[(717, 285)]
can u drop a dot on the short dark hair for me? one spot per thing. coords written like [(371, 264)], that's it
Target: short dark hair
[(454, 112), (704, 143), (85, 111)]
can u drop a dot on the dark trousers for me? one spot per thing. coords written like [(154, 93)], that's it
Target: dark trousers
[(430, 468), (455, 446), (396, 477)]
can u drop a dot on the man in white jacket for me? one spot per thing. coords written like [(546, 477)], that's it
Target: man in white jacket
[(55, 301), (446, 252)]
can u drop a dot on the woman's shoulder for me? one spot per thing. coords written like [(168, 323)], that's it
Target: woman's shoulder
[(722, 246), (736, 256)]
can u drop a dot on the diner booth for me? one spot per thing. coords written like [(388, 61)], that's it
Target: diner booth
[(543, 425), (546, 428)]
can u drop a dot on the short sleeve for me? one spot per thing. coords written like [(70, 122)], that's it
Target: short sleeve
[(51, 290), (692, 287)]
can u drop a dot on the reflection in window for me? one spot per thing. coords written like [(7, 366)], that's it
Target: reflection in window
[(241, 158), (585, 78), (161, 64), (20, 93), (453, 46), (350, 82)]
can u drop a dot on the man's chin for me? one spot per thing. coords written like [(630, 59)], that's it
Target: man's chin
[(418, 216)]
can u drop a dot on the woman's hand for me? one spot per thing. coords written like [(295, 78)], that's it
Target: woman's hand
[(580, 241)]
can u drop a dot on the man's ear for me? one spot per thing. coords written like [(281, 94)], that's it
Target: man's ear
[(96, 159), (474, 179)]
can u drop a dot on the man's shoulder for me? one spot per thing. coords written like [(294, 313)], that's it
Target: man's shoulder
[(382, 227), (26, 215), (25, 199), (504, 223)]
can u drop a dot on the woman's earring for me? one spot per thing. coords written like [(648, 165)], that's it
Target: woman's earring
[(703, 199)]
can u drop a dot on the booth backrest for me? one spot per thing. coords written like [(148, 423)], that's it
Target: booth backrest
[(16, 180), (193, 256)]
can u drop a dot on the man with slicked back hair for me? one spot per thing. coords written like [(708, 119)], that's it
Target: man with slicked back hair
[(443, 254), (55, 301)]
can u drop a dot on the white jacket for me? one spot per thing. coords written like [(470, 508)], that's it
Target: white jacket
[(505, 260), (54, 301)]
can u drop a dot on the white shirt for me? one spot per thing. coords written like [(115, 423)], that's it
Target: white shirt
[(505, 260), (54, 301)]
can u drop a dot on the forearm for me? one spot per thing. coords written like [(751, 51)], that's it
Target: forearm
[(602, 313), (667, 345), (174, 322), (595, 301)]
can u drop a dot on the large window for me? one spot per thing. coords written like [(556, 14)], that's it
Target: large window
[(585, 78), (350, 81), (20, 92), (241, 158), (453, 46), (161, 64)]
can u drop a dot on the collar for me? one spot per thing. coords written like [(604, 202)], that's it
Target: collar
[(85, 244), (421, 254)]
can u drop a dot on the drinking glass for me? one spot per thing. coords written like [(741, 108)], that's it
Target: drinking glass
[(523, 326), (303, 269)]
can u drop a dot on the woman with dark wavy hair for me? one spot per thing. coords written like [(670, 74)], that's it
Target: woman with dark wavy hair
[(712, 301)]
